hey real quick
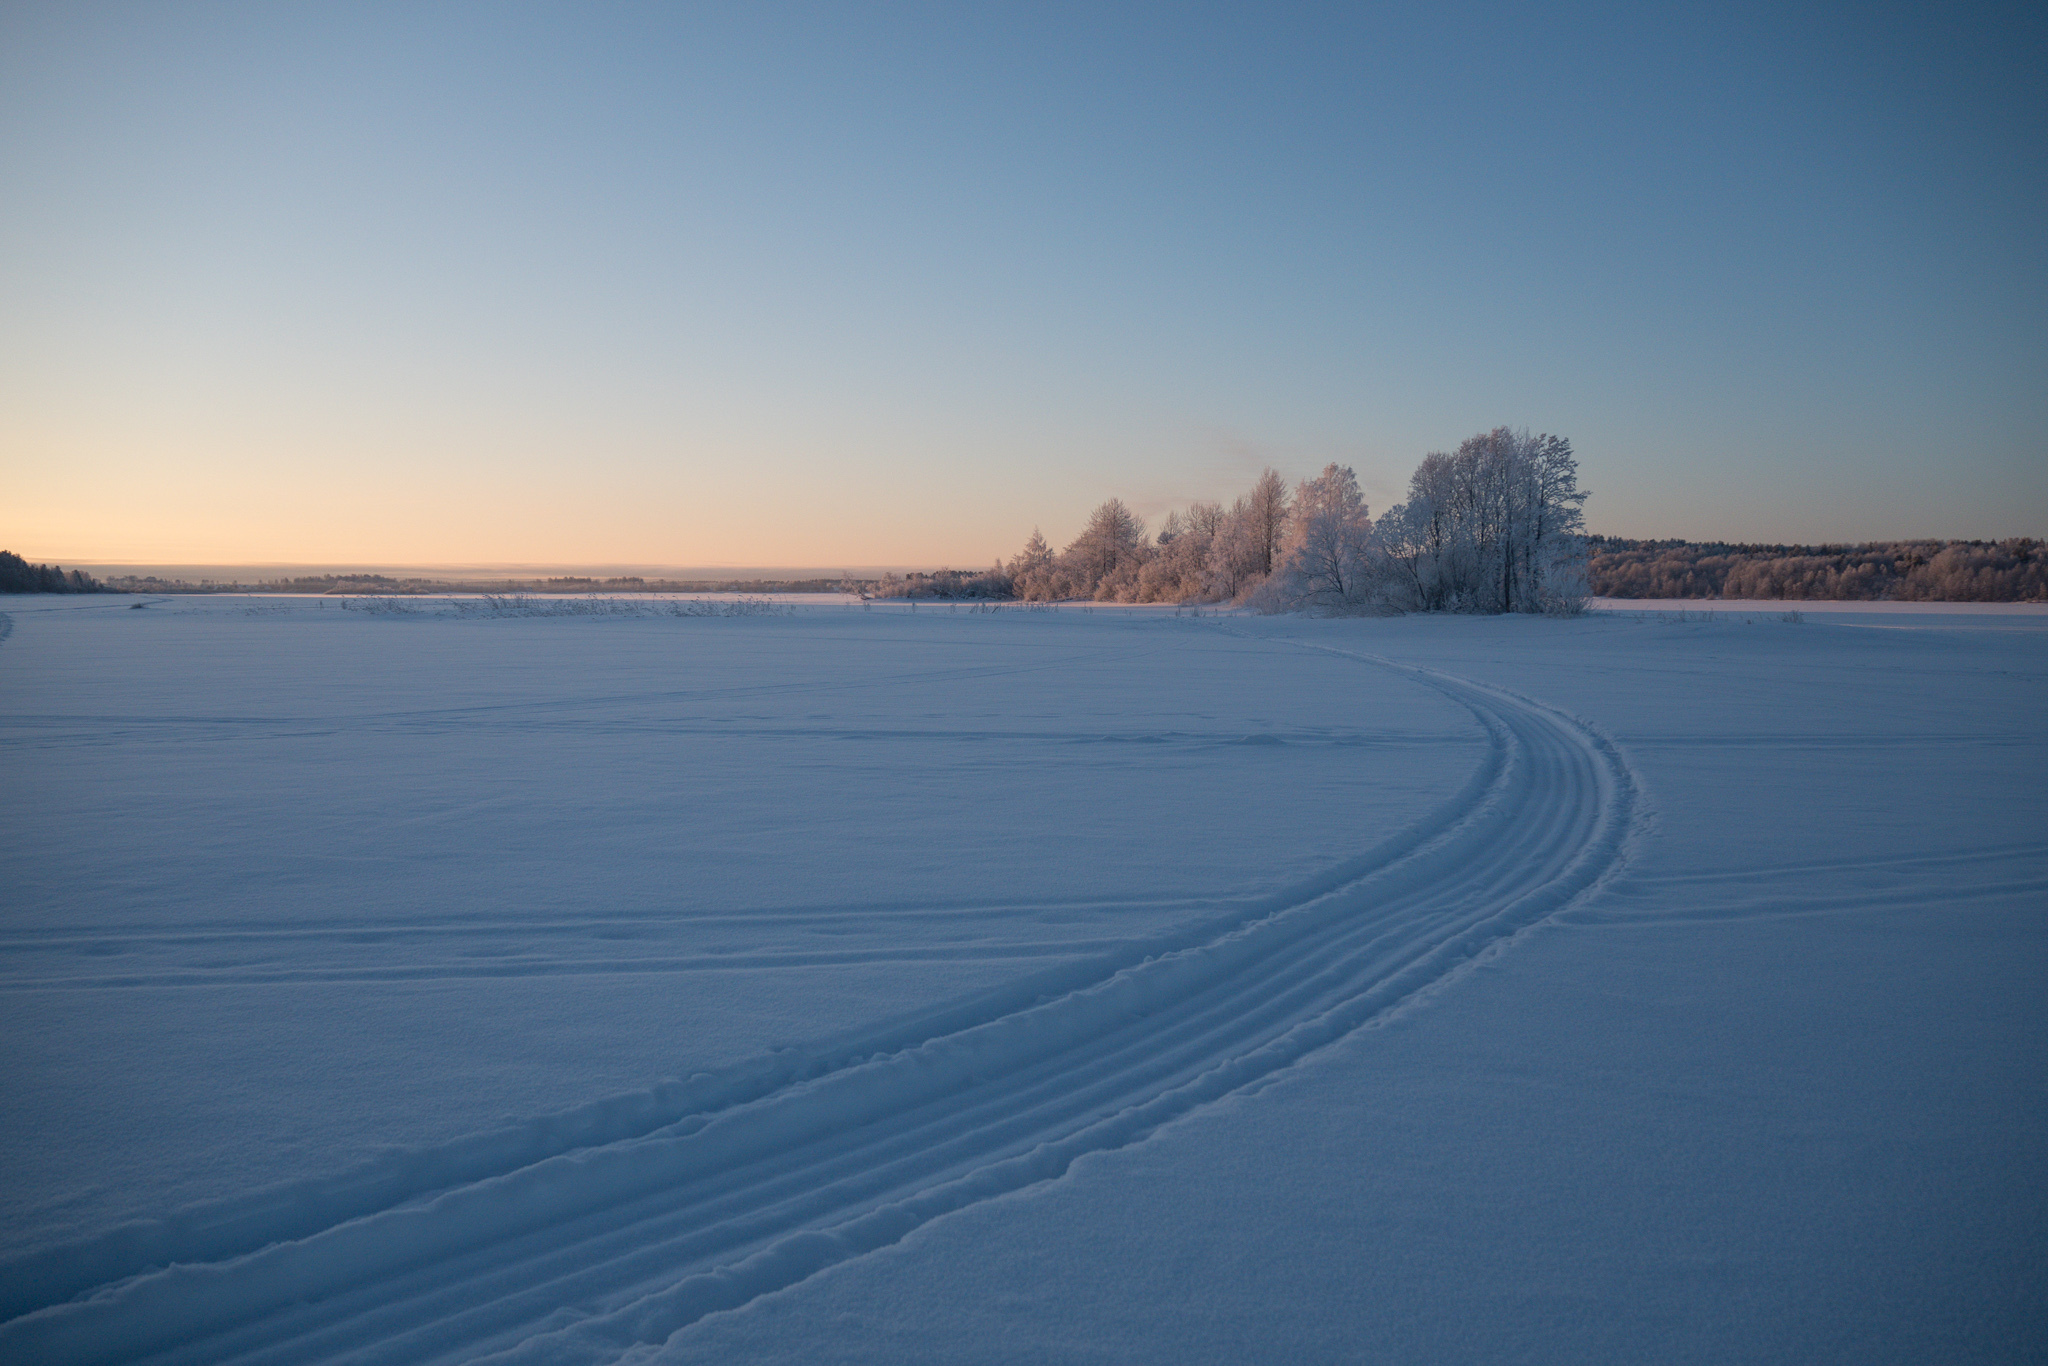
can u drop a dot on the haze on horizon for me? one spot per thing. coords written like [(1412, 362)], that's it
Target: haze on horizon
[(793, 286)]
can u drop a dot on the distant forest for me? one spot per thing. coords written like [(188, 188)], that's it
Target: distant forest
[(19, 576), (1898, 571)]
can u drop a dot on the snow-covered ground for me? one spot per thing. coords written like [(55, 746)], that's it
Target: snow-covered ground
[(883, 985)]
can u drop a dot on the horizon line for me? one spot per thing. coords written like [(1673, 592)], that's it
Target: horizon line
[(650, 569)]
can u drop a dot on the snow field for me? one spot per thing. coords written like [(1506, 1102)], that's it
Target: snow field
[(1250, 907)]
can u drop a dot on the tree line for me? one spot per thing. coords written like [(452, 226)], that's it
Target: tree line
[(1494, 526), (2014, 570), (17, 575)]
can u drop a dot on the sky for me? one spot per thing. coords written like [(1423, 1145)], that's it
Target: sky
[(893, 284)]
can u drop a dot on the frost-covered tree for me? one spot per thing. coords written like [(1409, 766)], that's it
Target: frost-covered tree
[(1108, 551), (1104, 560), (1404, 567), (1266, 514), (1495, 526), (1232, 566), (1178, 570), (1247, 543), (1326, 561), (1033, 571), (1036, 554)]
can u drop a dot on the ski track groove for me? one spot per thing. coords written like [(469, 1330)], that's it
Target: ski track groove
[(772, 960), (613, 1231), (427, 927), (942, 912)]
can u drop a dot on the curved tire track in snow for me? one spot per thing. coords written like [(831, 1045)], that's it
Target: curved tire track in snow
[(733, 1187)]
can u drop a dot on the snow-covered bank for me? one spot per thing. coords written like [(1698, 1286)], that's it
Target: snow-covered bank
[(577, 983)]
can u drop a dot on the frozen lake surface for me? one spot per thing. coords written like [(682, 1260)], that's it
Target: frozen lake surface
[(877, 985)]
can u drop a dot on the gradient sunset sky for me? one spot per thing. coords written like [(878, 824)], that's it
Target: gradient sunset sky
[(866, 284)]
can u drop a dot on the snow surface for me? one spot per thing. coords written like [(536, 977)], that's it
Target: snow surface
[(879, 985)]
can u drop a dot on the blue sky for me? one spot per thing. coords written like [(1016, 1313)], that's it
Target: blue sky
[(892, 284)]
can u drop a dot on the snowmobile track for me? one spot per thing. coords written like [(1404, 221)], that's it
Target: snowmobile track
[(621, 1230)]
